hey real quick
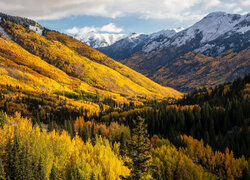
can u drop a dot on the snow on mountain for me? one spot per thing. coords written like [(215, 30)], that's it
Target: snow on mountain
[(36, 29), (213, 26), (133, 37), (131, 40), (156, 40), (2, 31), (166, 33), (217, 32), (99, 39)]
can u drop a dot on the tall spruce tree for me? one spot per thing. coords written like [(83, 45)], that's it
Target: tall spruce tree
[(2, 172), (123, 145), (53, 173), (40, 170), (139, 150)]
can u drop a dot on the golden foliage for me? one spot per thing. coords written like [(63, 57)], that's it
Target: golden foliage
[(222, 164), (58, 63), (66, 154)]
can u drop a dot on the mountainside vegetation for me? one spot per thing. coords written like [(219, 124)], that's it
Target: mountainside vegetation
[(53, 72), (67, 111), (192, 70), (105, 146), (212, 51), (219, 116), (102, 73)]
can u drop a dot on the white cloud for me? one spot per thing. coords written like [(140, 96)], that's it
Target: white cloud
[(212, 3), (111, 28), (73, 30), (150, 9), (245, 3), (237, 10), (108, 28)]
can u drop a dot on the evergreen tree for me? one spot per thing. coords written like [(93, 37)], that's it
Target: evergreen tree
[(92, 177), (40, 170), (53, 173), (2, 172), (75, 174), (15, 159), (123, 146), (139, 150), (4, 119)]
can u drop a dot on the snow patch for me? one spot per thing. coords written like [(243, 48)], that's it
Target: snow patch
[(243, 30), (160, 39), (150, 47), (204, 48), (164, 33), (133, 36), (179, 29), (36, 29), (220, 49), (4, 33)]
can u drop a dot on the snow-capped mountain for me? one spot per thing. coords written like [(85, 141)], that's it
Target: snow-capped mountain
[(198, 55), (204, 33), (217, 26), (125, 46), (214, 50), (99, 39), (138, 42), (216, 33), (156, 40)]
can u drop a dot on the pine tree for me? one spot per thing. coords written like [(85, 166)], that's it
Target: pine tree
[(2, 173), (15, 159), (75, 174), (40, 170), (139, 150), (4, 119), (92, 177), (53, 174), (123, 146)]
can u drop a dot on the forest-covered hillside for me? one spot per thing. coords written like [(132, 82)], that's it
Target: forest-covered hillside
[(68, 111), (205, 135)]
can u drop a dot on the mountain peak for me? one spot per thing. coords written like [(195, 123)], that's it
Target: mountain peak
[(216, 14), (214, 25)]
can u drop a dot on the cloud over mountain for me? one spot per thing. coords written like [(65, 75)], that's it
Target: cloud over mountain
[(98, 36), (108, 28), (158, 9)]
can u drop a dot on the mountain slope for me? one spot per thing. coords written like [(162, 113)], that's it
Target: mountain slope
[(133, 43), (61, 63), (99, 57), (194, 70), (212, 38)]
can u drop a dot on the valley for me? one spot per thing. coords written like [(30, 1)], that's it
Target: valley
[(169, 105)]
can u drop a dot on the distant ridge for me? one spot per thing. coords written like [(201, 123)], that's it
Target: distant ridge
[(193, 57)]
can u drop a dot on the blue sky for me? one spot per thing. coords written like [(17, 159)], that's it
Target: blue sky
[(128, 23), (119, 16)]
